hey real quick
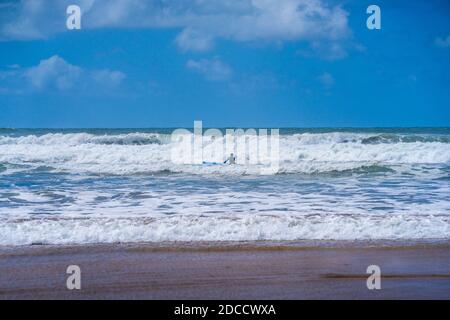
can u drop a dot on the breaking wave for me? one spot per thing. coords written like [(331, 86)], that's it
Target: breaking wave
[(230, 228), (305, 153), (83, 138)]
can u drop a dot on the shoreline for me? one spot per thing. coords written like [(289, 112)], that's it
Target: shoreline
[(242, 245), (231, 270)]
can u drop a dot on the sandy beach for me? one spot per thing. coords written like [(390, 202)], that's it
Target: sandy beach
[(224, 150), (248, 270)]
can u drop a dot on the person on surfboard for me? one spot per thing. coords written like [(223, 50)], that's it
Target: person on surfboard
[(231, 159)]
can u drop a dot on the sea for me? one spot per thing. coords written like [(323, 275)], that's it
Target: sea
[(86, 186)]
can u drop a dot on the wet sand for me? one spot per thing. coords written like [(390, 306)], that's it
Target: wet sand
[(228, 271)]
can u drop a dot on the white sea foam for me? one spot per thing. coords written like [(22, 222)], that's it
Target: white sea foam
[(150, 153), (221, 228), (408, 200), (83, 138)]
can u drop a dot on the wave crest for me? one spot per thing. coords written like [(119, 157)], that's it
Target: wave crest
[(307, 153), (83, 138), (221, 228)]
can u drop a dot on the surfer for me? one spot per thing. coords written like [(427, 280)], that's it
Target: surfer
[(231, 159)]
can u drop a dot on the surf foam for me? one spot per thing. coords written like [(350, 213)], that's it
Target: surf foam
[(135, 153), (230, 228)]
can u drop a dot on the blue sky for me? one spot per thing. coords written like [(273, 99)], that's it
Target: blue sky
[(230, 63)]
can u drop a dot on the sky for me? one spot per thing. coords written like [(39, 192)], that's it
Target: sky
[(229, 63)]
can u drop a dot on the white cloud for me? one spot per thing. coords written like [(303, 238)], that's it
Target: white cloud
[(442, 42), (201, 21), (213, 69), (326, 79), (55, 73), (23, 25), (191, 40), (108, 77)]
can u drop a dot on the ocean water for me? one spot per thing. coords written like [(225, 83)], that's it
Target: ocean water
[(109, 186)]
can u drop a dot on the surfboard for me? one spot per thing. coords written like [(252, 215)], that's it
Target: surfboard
[(206, 163)]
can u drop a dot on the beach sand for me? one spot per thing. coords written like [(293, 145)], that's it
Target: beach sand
[(256, 270)]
